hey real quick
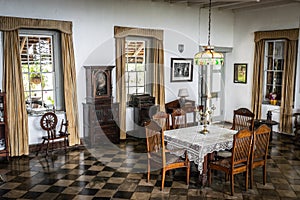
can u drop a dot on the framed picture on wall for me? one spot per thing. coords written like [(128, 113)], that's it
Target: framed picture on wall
[(240, 73), (181, 69)]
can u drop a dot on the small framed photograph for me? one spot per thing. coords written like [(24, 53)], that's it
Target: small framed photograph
[(240, 73), (181, 69)]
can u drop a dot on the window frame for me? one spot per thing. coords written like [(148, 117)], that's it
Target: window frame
[(148, 56), (274, 57), (57, 64)]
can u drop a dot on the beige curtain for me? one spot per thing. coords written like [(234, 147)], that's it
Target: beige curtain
[(121, 89), (158, 89), (70, 89), (258, 75), (13, 86), (13, 81), (291, 35), (288, 87), (159, 80)]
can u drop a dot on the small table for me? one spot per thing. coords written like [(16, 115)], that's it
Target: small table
[(269, 123)]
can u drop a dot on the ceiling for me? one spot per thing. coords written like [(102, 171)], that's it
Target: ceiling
[(231, 4)]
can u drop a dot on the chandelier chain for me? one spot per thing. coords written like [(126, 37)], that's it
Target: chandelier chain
[(209, 22)]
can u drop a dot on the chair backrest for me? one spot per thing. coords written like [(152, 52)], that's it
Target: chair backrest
[(243, 118), (261, 142), (162, 118), (153, 136), (241, 149), (63, 128), (178, 119), (155, 141)]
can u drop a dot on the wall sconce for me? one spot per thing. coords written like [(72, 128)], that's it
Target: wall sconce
[(180, 48)]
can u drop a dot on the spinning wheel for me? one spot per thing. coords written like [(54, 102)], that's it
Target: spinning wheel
[(48, 121)]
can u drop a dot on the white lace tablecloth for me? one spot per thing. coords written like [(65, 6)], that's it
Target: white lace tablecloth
[(199, 145)]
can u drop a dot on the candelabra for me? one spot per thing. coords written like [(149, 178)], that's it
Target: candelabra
[(204, 117)]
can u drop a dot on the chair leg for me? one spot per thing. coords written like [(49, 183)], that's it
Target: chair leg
[(40, 148), (148, 174), (251, 177), (232, 184), (47, 147), (209, 176), (65, 143), (246, 180), (163, 176), (188, 174), (226, 177), (265, 174)]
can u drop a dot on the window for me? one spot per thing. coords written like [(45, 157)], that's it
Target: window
[(42, 74), (137, 59), (274, 68)]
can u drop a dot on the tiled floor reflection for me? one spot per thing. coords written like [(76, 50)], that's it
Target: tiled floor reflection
[(119, 172)]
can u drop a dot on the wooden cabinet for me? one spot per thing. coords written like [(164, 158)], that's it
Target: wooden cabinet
[(100, 114), (3, 127), (100, 122)]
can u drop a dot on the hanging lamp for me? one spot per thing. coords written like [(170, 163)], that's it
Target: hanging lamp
[(209, 56)]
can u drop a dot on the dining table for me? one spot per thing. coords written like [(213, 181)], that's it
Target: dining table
[(200, 147)]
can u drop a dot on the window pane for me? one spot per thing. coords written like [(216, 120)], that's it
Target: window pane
[(141, 79), (45, 45), (131, 67), (48, 97), (132, 90), (25, 68), (140, 67), (140, 90), (26, 82), (35, 86), (132, 78), (47, 81)]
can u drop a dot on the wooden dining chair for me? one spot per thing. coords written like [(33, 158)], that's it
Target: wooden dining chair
[(259, 152), (242, 118), (239, 160), (178, 117), (162, 118), (161, 158)]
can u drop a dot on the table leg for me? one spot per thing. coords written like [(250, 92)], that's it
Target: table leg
[(203, 177)]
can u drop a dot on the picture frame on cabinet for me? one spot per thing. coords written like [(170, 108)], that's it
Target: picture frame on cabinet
[(181, 69), (240, 73)]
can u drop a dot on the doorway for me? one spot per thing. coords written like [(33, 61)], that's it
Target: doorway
[(212, 87)]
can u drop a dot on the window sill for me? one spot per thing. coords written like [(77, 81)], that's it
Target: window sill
[(271, 104)]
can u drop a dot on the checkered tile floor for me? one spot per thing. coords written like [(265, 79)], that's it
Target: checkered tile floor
[(119, 172)]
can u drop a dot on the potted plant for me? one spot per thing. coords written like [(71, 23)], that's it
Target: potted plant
[(36, 78)]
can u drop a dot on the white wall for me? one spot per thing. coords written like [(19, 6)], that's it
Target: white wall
[(246, 23), (94, 20)]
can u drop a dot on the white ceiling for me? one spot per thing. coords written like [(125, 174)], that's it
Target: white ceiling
[(232, 4)]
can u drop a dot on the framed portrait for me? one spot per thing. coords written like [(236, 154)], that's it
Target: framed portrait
[(181, 69), (240, 73)]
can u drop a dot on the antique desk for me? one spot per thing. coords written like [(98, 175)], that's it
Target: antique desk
[(199, 146)]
